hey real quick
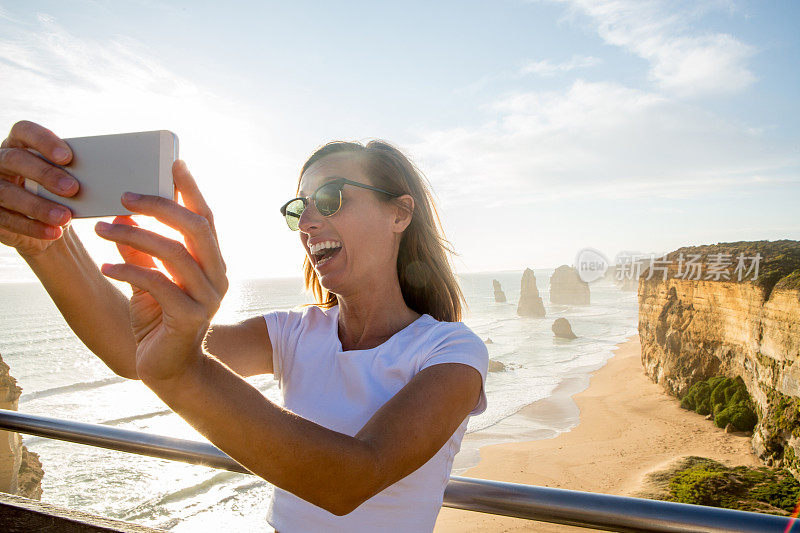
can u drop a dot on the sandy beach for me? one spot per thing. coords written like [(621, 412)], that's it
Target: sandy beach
[(626, 427)]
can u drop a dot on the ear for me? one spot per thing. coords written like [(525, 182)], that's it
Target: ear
[(403, 211)]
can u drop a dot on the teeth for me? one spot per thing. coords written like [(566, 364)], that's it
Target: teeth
[(323, 261), (318, 247)]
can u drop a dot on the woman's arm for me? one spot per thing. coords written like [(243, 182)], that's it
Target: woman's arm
[(95, 310), (244, 347), (329, 469), (99, 314), (33, 226)]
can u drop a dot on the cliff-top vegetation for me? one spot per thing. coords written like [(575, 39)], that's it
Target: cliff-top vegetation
[(780, 260)]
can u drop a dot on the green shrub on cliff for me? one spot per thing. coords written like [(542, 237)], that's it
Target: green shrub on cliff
[(740, 416), (706, 482), (726, 399), (790, 459), (786, 415), (698, 398)]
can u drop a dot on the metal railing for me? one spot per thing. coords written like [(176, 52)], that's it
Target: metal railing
[(559, 506)]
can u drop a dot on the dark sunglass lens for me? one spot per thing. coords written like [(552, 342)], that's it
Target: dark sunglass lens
[(293, 212), (328, 200)]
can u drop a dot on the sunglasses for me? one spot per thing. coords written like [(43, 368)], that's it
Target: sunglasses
[(327, 200)]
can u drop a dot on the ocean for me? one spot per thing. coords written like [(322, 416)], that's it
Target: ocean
[(61, 378)]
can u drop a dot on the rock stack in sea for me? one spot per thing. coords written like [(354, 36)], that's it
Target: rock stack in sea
[(530, 303), (562, 328), (20, 470), (499, 295), (567, 287)]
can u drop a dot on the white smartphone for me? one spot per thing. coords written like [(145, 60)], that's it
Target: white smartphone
[(108, 165)]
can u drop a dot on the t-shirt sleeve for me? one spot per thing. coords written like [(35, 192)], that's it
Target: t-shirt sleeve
[(461, 345), (281, 327)]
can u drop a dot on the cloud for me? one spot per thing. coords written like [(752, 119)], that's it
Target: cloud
[(599, 140), (545, 68), (5, 16), (608, 140), (683, 60), (58, 75)]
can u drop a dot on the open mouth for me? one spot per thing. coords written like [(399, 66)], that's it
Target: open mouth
[(324, 251)]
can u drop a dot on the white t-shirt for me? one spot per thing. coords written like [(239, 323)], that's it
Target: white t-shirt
[(341, 390)]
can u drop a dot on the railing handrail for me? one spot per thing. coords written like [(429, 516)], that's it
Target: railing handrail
[(560, 506)]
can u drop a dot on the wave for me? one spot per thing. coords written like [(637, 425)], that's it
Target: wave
[(259, 309), (31, 340), (33, 440), (86, 385), (132, 418), (145, 509)]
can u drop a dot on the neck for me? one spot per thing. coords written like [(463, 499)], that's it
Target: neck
[(368, 318)]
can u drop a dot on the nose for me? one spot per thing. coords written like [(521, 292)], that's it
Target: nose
[(310, 218)]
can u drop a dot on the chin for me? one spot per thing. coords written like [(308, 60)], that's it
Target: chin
[(334, 275), (331, 282)]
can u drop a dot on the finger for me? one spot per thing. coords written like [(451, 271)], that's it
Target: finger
[(27, 134), (132, 255), (17, 199), (193, 199), (176, 259), (170, 297), (21, 162), (196, 229), (191, 196), (14, 223)]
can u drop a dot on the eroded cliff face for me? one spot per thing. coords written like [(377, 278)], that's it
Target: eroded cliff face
[(694, 329), (20, 470)]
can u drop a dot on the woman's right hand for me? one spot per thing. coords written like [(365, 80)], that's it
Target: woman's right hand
[(44, 227)]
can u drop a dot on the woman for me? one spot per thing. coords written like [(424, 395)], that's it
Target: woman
[(379, 378)]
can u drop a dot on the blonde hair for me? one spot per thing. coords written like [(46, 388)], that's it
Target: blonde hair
[(427, 280)]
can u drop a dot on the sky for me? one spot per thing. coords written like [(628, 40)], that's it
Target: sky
[(544, 126)]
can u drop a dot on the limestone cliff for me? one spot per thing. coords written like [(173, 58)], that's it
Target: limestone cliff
[(20, 470), (699, 326), (530, 303), (567, 287)]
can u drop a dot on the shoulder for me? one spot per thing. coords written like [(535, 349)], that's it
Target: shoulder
[(306, 315), (448, 333), (455, 342)]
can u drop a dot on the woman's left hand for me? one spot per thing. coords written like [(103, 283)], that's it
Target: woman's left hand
[(169, 317)]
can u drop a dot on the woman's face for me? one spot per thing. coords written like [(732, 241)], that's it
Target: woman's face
[(362, 237)]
